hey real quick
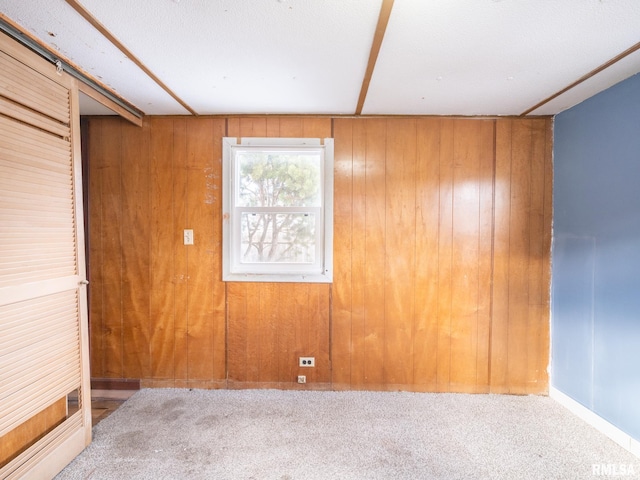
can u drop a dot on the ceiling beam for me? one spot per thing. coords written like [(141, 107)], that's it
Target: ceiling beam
[(107, 102), (584, 78), (109, 36), (381, 28)]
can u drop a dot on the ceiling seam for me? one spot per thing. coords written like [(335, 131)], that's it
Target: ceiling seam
[(109, 36), (584, 78), (381, 28)]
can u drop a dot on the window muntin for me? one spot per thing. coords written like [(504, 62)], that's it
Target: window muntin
[(278, 210)]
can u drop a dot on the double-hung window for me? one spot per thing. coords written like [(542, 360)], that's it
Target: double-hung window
[(277, 209)]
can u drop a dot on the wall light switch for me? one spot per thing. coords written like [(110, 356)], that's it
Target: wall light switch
[(188, 237)]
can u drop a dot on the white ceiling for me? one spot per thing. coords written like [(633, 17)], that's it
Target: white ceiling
[(438, 57)]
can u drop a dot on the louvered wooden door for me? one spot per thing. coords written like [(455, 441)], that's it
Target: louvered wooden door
[(45, 412)]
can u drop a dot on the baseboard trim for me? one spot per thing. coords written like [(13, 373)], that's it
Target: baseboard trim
[(614, 433), (115, 384)]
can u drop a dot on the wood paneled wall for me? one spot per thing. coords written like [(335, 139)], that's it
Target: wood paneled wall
[(157, 307), (270, 325), (442, 232)]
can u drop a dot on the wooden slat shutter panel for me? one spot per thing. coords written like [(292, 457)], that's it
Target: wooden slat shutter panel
[(43, 338), (37, 217)]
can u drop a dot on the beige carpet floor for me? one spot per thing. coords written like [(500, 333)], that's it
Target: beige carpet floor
[(287, 435)]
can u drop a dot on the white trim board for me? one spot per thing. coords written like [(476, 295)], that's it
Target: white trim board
[(614, 433)]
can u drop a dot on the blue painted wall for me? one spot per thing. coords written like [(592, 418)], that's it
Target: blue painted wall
[(596, 255)]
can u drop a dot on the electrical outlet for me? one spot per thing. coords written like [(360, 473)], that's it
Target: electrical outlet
[(307, 362), (188, 236), (302, 379)]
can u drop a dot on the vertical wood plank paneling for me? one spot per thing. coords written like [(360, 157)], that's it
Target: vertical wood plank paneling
[(357, 245), (485, 255), (290, 313), (441, 235), (233, 127), (252, 127), (473, 143), (161, 232), (502, 231), (277, 317), (521, 257), (200, 255), (135, 250), (252, 337), (316, 127), (265, 307), (267, 335), (273, 127), (319, 332), (293, 127), (214, 199), (543, 342), (375, 251), (536, 255), (425, 336), (237, 294), (537, 334), (342, 253), (290, 318), (445, 255), (519, 240), (96, 250), (536, 212), (180, 273), (112, 249), (400, 174), (464, 261)]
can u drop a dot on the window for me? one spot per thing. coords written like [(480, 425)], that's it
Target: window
[(277, 210)]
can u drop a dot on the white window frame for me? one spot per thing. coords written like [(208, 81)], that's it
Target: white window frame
[(233, 270)]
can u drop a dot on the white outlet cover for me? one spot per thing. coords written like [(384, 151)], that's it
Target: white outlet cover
[(307, 362), (188, 237)]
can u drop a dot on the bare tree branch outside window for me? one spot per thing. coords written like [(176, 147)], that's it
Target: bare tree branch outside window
[(280, 186)]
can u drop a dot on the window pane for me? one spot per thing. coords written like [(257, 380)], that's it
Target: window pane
[(278, 238), (278, 179)]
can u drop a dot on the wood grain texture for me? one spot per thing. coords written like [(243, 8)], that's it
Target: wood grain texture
[(342, 308), (399, 251), (520, 326), (424, 218), (374, 250), (425, 334), (200, 274), (543, 345), (135, 238), (271, 325), (502, 230), (162, 284), (445, 255), (158, 306), (179, 275), (96, 250), (111, 177), (442, 234), (27, 433)]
